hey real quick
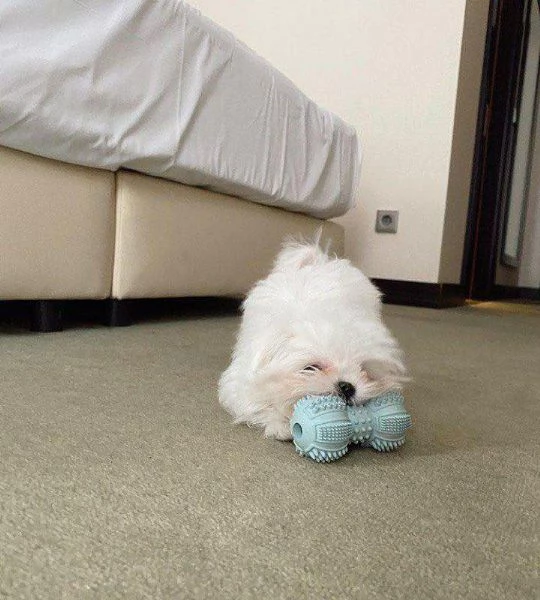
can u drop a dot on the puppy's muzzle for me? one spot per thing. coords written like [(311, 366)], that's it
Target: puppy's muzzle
[(346, 390)]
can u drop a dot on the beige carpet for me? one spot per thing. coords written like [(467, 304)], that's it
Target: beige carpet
[(120, 477)]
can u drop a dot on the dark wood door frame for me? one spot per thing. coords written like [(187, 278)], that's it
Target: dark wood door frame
[(501, 82)]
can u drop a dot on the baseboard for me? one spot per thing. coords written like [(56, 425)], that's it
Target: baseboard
[(18, 313), (503, 292), (415, 293)]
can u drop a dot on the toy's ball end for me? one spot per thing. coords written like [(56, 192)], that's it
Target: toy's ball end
[(390, 420), (320, 428)]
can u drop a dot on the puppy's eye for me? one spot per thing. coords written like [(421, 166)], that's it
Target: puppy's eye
[(312, 368)]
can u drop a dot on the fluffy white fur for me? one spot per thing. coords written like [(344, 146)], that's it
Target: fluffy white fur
[(313, 322)]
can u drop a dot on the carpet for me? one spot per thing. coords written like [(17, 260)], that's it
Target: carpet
[(121, 477)]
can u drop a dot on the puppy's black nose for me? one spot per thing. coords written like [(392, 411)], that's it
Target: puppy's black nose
[(346, 389)]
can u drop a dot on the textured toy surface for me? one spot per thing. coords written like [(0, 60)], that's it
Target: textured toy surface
[(324, 426)]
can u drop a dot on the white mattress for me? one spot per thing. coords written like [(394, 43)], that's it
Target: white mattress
[(153, 86)]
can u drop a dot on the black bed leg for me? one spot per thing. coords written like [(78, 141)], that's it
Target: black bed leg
[(46, 316), (119, 313)]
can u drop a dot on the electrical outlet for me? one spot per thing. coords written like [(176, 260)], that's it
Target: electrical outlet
[(387, 221)]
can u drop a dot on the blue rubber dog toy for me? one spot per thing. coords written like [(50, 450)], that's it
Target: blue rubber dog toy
[(324, 426)]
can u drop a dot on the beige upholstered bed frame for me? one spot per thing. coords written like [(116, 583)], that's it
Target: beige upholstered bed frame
[(71, 232)]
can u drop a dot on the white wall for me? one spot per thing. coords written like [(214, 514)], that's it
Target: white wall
[(390, 68)]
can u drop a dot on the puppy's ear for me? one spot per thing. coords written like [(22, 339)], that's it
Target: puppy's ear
[(388, 373), (268, 350)]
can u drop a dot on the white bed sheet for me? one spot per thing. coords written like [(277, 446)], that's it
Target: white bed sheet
[(154, 86)]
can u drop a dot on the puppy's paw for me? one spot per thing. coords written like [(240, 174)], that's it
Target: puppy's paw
[(279, 430)]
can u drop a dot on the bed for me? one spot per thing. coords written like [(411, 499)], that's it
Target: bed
[(146, 152)]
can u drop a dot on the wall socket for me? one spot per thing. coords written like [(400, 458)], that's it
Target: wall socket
[(387, 221)]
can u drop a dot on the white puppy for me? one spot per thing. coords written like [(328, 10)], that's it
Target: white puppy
[(312, 326)]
